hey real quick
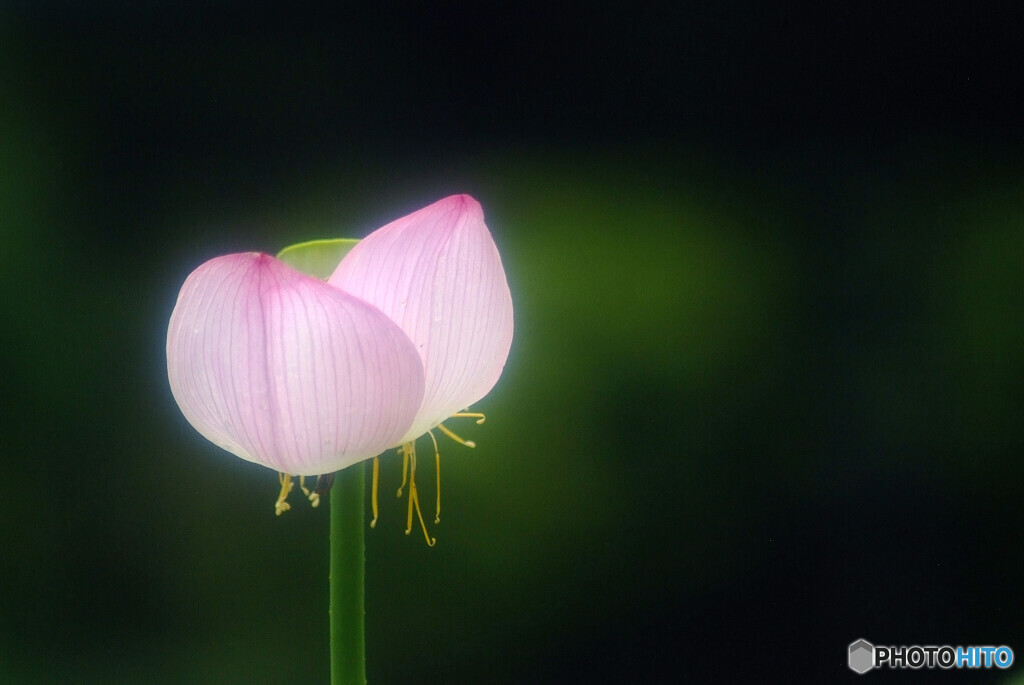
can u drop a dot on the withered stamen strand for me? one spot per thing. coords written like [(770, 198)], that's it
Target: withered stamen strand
[(281, 506)]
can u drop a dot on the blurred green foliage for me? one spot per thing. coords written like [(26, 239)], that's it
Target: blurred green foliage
[(647, 446), (761, 396)]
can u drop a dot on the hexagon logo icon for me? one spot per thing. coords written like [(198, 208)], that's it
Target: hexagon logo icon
[(861, 656)]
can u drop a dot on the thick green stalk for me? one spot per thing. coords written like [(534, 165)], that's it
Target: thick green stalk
[(348, 561)]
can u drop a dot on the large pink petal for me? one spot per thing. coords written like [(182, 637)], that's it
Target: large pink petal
[(437, 273), (287, 371)]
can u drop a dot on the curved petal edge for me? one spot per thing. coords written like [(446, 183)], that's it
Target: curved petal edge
[(284, 370), (437, 274)]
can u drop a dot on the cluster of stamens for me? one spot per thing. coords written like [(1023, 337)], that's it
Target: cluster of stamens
[(408, 452)]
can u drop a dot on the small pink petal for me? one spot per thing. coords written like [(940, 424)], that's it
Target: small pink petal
[(438, 275), (286, 371)]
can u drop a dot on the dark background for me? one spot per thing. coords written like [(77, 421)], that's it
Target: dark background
[(766, 391)]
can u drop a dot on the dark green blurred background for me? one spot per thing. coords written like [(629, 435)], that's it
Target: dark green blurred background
[(767, 386)]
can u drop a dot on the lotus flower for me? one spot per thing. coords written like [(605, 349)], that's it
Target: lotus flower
[(308, 377)]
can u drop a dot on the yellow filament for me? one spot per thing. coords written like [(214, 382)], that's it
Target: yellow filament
[(415, 498), (404, 449), (373, 494), (408, 454), (281, 506), (313, 497), (409, 451), (453, 436), (437, 462), (480, 418)]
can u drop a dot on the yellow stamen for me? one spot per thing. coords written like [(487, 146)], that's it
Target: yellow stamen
[(408, 454), (437, 462), (323, 487), (409, 450), (313, 497), (373, 494), (453, 436), (281, 506), (405, 466), (415, 498), (480, 418)]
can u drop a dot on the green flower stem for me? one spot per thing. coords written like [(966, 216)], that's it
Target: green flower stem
[(348, 561)]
